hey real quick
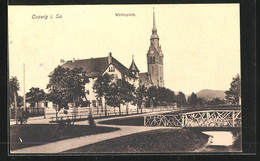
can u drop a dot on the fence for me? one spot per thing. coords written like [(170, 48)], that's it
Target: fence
[(32, 112), (83, 113)]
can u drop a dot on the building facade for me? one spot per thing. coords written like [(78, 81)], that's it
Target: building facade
[(96, 67)]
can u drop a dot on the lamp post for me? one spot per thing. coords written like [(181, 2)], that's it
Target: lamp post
[(152, 103)]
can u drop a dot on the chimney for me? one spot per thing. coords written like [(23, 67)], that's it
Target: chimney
[(109, 58), (73, 60), (62, 61)]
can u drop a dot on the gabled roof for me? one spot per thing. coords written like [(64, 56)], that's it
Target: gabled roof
[(133, 67), (95, 67)]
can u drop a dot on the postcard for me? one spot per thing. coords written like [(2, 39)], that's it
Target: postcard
[(132, 79)]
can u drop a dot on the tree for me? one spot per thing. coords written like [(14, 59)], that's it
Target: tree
[(19, 101), (140, 97), (66, 86), (35, 95), (165, 96), (101, 88), (120, 92), (216, 101), (181, 99), (14, 87), (152, 96), (234, 92), (193, 99), (200, 101)]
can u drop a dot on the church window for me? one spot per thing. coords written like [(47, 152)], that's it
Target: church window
[(153, 59), (152, 70)]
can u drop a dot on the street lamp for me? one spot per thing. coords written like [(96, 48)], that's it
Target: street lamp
[(152, 103)]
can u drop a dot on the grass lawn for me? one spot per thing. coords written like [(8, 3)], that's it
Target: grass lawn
[(37, 134), (96, 118), (156, 141), (132, 121)]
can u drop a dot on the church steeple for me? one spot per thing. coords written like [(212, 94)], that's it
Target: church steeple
[(154, 37), (154, 31), (155, 57)]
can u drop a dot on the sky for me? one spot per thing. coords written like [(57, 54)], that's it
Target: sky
[(200, 42)]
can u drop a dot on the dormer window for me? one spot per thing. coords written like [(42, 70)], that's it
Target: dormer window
[(111, 69)]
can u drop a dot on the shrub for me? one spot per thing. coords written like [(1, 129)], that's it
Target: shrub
[(23, 118)]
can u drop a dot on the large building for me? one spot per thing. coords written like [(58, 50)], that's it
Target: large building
[(96, 67), (154, 76)]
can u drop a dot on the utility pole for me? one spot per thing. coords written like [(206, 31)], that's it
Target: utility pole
[(24, 97), (15, 108)]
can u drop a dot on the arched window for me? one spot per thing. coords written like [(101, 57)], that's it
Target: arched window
[(152, 70), (153, 59)]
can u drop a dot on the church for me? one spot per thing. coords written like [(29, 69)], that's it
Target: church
[(96, 67), (154, 76)]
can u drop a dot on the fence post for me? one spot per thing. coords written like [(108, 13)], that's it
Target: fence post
[(233, 117), (144, 121), (183, 121)]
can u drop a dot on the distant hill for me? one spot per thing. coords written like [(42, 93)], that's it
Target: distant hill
[(210, 94)]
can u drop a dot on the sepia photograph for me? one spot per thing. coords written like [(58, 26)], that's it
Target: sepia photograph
[(124, 79)]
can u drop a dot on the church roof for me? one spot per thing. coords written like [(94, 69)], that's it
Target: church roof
[(95, 67), (145, 79)]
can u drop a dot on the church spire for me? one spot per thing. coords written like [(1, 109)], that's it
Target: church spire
[(154, 25), (154, 30)]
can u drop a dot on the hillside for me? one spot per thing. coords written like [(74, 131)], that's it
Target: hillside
[(210, 94)]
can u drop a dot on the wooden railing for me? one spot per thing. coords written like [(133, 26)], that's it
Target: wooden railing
[(208, 118)]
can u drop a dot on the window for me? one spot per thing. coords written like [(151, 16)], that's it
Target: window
[(94, 103), (45, 104), (87, 92), (111, 69), (100, 103), (116, 76), (153, 59)]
